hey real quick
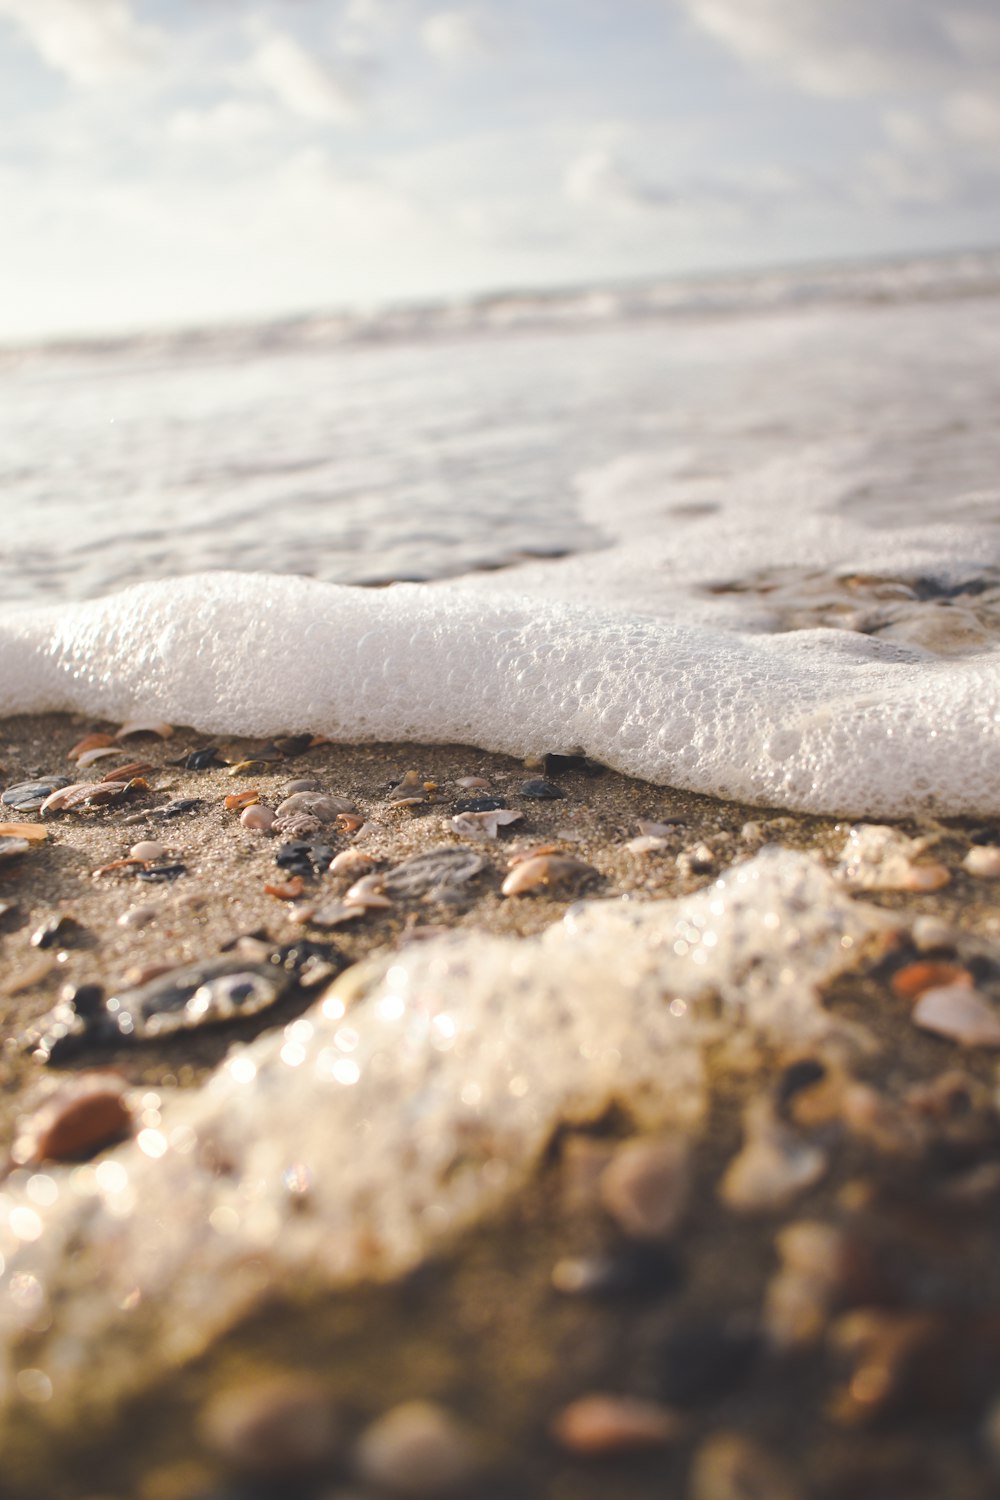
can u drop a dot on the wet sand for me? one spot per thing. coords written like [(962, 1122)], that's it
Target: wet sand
[(481, 1328)]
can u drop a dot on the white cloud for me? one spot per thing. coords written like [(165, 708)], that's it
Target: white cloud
[(601, 177), (306, 86), (457, 36), (230, 122), (845, 48), (91, 41), (974, 118)]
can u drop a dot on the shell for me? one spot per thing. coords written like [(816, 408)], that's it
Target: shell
[(484, 825), (28, 796), (544, 870), (145, 726), (438, 874)]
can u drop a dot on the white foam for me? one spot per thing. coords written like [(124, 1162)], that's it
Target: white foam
[(826, 721), (394, 1113)]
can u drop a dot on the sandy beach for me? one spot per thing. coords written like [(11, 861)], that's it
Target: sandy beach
[(883, 1382)]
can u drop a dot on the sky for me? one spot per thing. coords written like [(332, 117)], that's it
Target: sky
[(170, 162)]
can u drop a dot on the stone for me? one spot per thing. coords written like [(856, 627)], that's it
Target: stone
[(600, 1424), (82, 1116), (282, 1428), (729, 1466), (959, 1013), (645, 1187), (417, 1449)]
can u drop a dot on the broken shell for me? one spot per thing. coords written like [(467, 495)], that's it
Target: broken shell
[(349, 822), (10, 848), (145, 726), (89, 742), (296, 825), (367, 892), (879, 858), (473, 783), (960, 1013), (480, 825), (316, 805), (239, 800), (599, 1424), (90, 757), (333, 913), (544, 870), (910, 982), (983, 861), (30, 831), (125, 773), (290, 890), (657, 830)]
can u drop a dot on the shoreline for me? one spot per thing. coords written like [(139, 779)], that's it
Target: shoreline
[(221, 896)]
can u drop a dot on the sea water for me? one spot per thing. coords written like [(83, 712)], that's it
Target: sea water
[(763, 514)]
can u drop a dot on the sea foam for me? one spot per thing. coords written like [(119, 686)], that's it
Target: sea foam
[(827, 721)]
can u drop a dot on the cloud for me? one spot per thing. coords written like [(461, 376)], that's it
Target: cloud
[(92, 43), (310, 88), (601, 177), (456, 37), (853, 48), (231, 122)]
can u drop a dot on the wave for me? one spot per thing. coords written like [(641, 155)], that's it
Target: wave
[(820, 720)]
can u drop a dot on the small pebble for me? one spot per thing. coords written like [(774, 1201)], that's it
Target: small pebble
[(314, 805), (632, 1270), (477, 805), (77, 1121), (302, 784), (12, 848), (473, 783), (543, 791), (279, 1429), (417, 1449), (774, 1165), (648, 829), (647, 843), (959, 1013), (137, 916), (983, 861), (930, 933), (645, 1187), (698, 860), (258, 818), (148, 849), (599, 1424), (729, 1466)]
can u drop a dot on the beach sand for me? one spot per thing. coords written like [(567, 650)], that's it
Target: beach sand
[(481, 1328)]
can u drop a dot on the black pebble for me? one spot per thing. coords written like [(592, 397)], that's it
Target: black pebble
[(156, 873), (303, 858), (200, 760), (479, 804), (700, 1360), (56, 932), (798, 1076), (630, 1270), (544, 791), (558, 765), (86, 999), (177, 808)]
